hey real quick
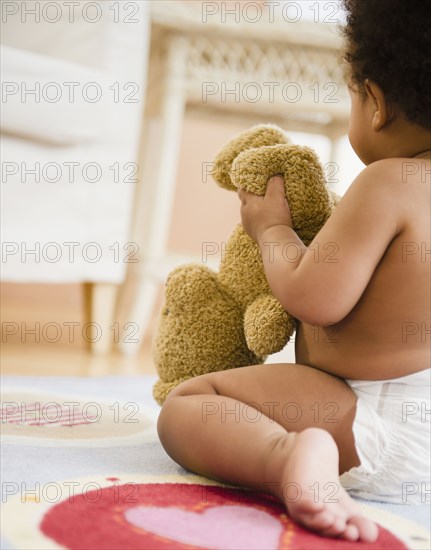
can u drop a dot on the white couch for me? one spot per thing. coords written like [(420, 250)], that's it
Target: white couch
[(72, 106)]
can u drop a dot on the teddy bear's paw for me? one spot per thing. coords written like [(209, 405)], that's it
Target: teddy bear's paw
[(257, 136), (161, 389), (267, 326)]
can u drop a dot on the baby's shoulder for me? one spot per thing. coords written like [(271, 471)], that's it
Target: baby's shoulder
[(393, 187), (398, 183), (400, 172), (402, 186)]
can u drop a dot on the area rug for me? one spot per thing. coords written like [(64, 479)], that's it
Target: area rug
[(82, 468)]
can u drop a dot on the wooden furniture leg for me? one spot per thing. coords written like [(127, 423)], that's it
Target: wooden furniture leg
[(99, 327)]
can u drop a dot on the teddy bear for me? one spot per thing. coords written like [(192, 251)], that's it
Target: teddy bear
[(212, 321)]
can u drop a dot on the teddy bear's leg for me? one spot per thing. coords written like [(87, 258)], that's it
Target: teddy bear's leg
[(257, 136), (200, 329), (267, 326), (310, 201)]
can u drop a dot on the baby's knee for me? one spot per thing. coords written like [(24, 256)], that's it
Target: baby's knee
[(171, 409), (198, 385)]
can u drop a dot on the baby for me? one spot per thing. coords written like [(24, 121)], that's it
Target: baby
[(351, 413)]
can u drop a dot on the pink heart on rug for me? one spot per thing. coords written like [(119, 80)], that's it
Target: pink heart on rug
[(221, 527)]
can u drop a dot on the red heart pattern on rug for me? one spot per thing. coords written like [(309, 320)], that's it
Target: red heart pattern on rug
[(213, 528), (184, 516)]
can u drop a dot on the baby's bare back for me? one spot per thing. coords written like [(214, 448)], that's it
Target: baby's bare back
[(387, 333)]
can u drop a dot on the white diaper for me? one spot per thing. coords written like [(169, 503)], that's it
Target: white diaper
[(392, 438)]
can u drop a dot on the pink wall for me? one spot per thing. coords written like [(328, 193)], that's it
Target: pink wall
[(203, 211)]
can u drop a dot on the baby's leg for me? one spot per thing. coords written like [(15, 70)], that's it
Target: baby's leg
[(284, 428)]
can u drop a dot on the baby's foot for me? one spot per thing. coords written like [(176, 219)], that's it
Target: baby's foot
[(313, 494)]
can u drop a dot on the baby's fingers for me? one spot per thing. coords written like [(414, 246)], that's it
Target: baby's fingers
[(246, 196), (275, 187), (242, 195)]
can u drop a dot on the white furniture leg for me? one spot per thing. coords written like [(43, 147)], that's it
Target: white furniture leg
[(156, 194), (100, 301)]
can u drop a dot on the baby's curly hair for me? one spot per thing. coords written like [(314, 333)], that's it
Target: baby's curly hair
[(389, 42)]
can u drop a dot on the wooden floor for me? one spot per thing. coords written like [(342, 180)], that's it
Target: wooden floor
[(32, 316)]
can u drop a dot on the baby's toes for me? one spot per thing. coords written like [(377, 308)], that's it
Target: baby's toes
[(320, 521), (367, 529), (306, 507), (351, 533), (337, 529)]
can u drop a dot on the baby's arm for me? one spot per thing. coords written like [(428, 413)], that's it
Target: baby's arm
[(322, 283)]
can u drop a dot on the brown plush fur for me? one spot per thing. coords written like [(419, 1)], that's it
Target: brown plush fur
[(215, 321)]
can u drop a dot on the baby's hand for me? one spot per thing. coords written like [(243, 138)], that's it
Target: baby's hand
[(260, 213)]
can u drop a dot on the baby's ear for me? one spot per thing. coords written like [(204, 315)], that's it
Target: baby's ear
[(257, 136)]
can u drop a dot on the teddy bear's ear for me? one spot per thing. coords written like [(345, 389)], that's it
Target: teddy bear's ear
[(257, 136)]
